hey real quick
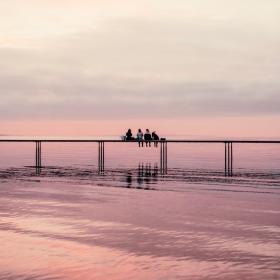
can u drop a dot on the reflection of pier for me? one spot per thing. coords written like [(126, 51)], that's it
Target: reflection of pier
[(228, 145), (146, 176)]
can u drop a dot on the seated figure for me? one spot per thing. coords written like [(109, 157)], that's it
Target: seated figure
[(155, 138), (128, 135), (140, 137), (148, 137)]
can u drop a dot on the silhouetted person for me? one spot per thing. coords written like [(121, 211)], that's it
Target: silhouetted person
[(155, 138), (148, 137), (140, 137), (128, 135)]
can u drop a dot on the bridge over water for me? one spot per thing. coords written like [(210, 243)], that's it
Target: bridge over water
[(228, 149)]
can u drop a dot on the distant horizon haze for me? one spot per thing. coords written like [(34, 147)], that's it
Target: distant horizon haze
[(262, 127)]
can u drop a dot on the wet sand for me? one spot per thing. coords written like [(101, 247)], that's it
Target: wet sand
[(59, 225)]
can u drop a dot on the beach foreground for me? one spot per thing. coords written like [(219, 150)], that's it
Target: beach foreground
[(125, 226)]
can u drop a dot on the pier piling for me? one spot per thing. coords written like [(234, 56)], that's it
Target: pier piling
[(163, 157), (38, 154), (101, 156), (228, 159)]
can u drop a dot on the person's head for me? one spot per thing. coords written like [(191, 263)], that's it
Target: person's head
[(139, 130), (129, 130), (153, 133), (147, 130)]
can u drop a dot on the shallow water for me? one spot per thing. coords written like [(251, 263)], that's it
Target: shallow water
[(132, 221)]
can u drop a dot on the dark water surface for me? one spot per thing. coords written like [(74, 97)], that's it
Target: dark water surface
[(69, 221)]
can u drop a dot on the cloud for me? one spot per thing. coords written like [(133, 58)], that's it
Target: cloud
[(203, 64), (80, 97)]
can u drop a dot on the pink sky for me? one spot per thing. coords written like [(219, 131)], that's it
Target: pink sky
[(256, 127)]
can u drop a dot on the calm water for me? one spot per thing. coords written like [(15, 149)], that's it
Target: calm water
[(132, 222)]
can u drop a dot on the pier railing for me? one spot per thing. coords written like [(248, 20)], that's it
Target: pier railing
[(228, 146)]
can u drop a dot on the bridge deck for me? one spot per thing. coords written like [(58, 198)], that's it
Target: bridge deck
[(133, 141)]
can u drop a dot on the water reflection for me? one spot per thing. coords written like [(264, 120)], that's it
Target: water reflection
[(83, 228), (38, 170), (148, 176), (145, 176), (84, 222)]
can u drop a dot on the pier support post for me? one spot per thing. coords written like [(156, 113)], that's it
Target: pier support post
[(163, 157), (228, 159), (38, 156), (101, 156)]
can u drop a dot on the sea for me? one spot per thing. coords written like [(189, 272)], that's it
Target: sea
[(133, 220)]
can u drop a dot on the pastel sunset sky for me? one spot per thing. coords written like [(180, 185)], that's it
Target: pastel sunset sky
[(181, 67)]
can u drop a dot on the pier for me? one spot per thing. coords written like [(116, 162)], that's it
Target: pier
[(228, 149)]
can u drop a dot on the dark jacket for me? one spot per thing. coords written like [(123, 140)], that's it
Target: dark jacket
[(147, 136), (128, 136), (155, 136)]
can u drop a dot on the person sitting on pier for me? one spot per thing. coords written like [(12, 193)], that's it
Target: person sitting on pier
[(129, 135), (140, 137), (155, 138), (147, 137)]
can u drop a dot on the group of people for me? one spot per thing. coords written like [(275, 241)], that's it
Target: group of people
[(140, 136)]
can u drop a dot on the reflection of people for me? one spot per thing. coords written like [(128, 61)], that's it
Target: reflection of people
[(147, 137), (140, 175), (145, 177), (129, 180), (155, 138), (140, 137), (149, 175), (128, 135)]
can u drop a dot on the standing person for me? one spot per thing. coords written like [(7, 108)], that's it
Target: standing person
[(155, 138), (140, 137), (148, 137), (128, 135)]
